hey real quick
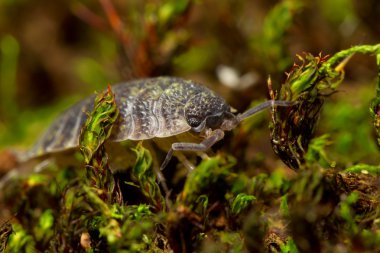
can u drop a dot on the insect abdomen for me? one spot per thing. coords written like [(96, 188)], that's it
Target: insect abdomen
[(64, 132)]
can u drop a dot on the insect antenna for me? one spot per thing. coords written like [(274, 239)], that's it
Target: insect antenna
[(263, 106)]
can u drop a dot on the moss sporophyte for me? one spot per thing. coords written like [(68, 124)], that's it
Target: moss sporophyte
[(309, 84)]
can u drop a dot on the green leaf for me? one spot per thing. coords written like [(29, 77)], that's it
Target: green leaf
[(44, 230), (212, 171), (284, 208), (146, 177), (98, 125), (241, 202), (364, 168), (170, 9), (289, 247), (20, 240), (316, 151)]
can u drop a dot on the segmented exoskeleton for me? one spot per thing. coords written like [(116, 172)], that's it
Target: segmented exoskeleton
[(153, 108)]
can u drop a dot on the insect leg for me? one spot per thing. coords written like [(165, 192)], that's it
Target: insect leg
[(213, 137), (182, 158)]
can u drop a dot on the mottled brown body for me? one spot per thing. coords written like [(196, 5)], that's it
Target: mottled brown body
[(148, 108)]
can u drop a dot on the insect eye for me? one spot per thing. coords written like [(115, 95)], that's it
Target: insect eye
[(194, 122)]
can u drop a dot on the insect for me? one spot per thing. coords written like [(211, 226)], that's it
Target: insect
[(153, 108)]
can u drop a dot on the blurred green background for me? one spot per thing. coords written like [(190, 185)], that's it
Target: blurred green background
[(53, 53)]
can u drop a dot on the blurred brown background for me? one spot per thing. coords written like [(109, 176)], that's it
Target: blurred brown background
[(55, 52)]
